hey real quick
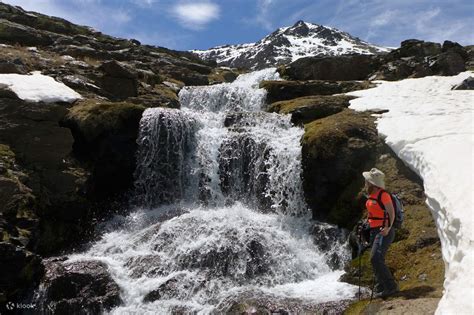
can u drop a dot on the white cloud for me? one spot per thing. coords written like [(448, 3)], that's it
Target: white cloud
[(144, 3), (196, 15), (384, 18)]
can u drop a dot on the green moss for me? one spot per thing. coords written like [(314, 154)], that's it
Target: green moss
[(323, 137), (356, 308), (94, 117), (7, 156), (288, 106), (166, 92)]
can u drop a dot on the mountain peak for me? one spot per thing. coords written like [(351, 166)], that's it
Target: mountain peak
[(288, 44)]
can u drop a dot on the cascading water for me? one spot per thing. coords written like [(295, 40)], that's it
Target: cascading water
[(220, 213)]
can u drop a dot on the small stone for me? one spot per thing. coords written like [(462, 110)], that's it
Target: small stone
[(403, 278), (422, 277)]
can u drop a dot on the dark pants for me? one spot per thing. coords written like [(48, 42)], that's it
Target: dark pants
[(380, 245)]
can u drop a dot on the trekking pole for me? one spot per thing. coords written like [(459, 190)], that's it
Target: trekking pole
[(360, 259)]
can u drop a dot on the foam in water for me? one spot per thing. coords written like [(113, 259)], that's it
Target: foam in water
[(222, 212)]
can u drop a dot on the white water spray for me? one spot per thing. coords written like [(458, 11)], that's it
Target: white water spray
[(221, 211)]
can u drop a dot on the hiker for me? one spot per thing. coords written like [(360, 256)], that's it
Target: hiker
[(382, 231)]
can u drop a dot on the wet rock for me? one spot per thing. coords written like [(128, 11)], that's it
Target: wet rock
[(327, 238), (242, 169), (467, 84), (335, 151), (257, 302), (149, 265), (178, 287), (80, 287), (286, 90), (309, 108), (337, 68), (20, 270)]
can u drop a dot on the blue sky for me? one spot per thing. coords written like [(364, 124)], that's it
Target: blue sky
[(200, 24)]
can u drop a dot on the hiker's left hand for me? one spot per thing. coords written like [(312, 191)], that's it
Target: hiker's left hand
[(385, 231)]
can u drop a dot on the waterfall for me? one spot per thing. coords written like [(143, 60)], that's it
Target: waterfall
[(220, 212)]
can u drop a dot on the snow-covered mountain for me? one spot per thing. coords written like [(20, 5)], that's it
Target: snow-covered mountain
[(288, 44)]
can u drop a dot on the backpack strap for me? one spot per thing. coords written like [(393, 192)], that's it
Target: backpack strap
[(379, 201)]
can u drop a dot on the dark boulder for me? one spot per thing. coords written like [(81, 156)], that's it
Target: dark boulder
[(336, 150), (105, 137), (415, 47), (448, 63), (20, 268), (449, 46), (287, 90), (10, 67), (81, 287), (119, 80), (467, 84), (117, 69), (338, 68), (42, 148)]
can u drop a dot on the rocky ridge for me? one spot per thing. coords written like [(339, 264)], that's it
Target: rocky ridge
[(287, 44)]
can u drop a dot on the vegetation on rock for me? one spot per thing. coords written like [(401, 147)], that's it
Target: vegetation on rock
[(309, 108)]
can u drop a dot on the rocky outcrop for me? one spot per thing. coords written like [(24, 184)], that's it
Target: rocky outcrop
[(336, 150), (119, 81), (306, 109), (338, 68), (81, 287), (286, 90), (15, 33), (20, 270), (42, 148), (414, 59), (105, 139)]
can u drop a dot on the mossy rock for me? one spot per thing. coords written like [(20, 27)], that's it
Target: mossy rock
[(7, 158), (105, 136), (286, 90), (335, 150), (93, 118), (166, 92), (306, 109), (222, 75)]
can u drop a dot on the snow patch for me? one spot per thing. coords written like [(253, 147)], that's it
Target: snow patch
[(36, 87), (430, 127)]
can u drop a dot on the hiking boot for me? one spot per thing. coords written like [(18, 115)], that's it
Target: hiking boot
[(387, 293)]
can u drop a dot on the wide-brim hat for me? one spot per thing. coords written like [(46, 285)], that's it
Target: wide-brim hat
[(376, 177)]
